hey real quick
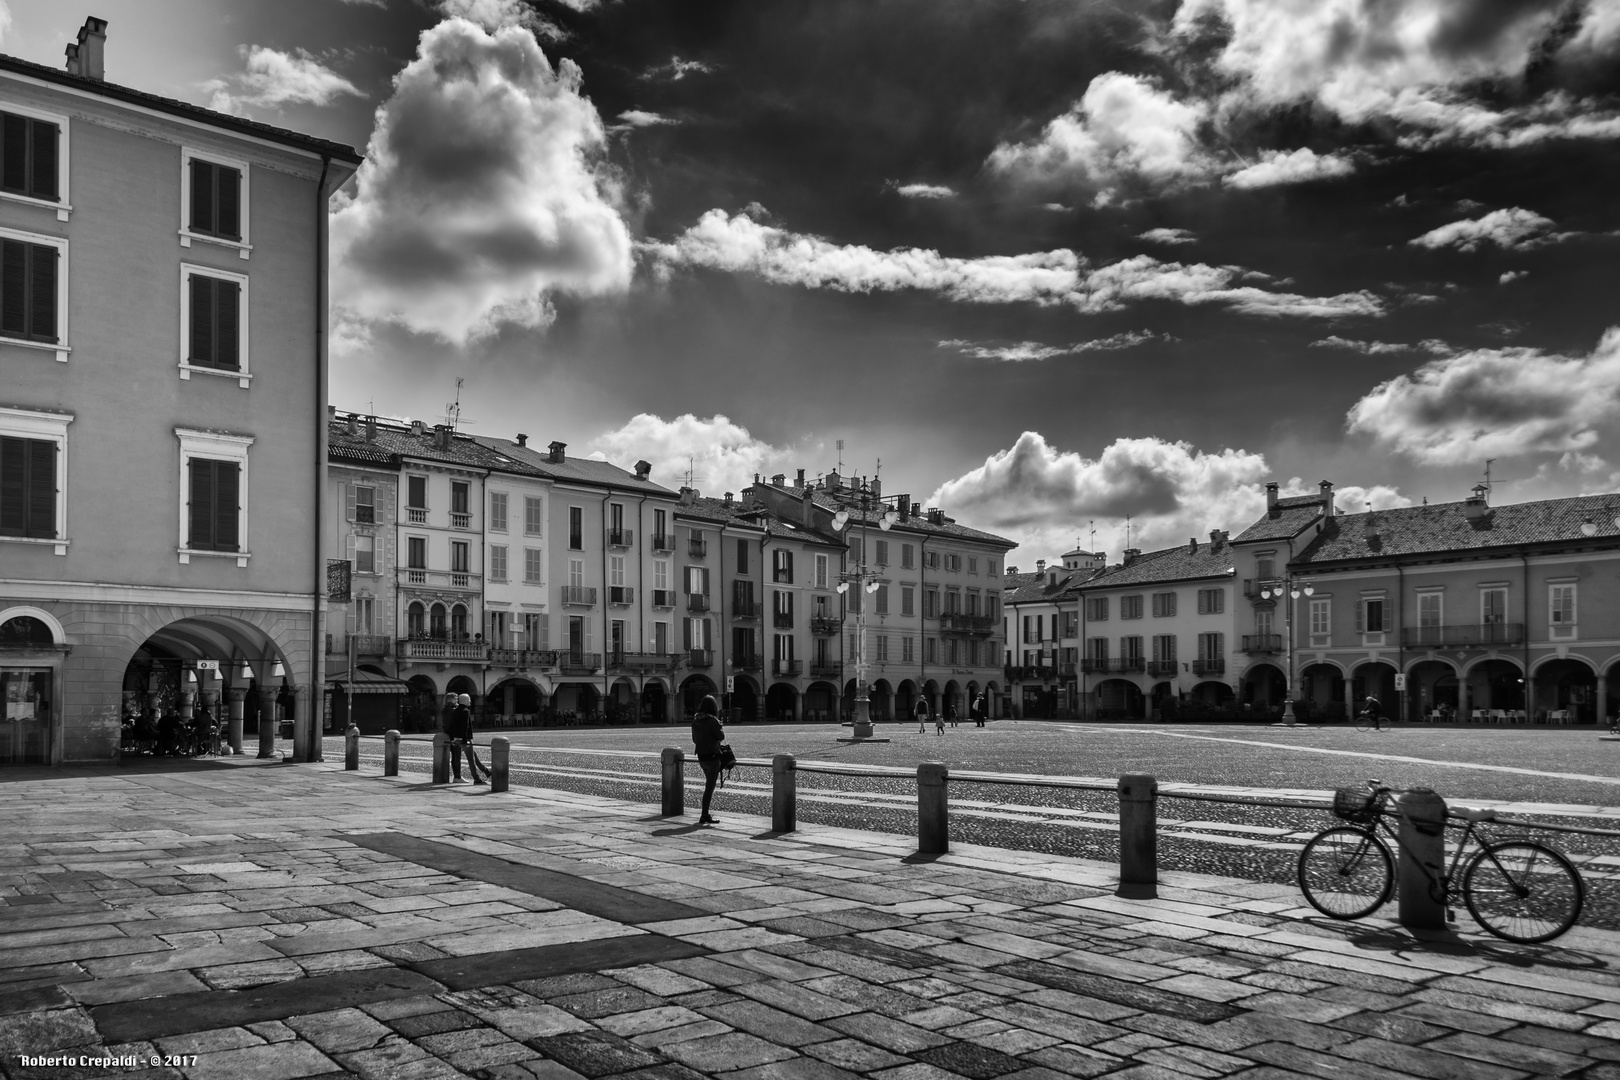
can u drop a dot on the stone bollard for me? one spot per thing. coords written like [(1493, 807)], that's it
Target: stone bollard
[(351, 748), (1138, 835), (933, 810), (1422, 859), (237, 699), (500, 757), (441, 758), (784, 794), (391, 753), (674, 782)]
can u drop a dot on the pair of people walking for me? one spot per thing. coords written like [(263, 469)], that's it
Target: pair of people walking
[(458, 726), (923, 712)]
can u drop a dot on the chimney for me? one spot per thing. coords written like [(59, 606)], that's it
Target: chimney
[(1215, 538), (418, 427), (1130, 556), (1271, 495), (729, 497), (1040, 566), (354, 425), (807, 503), (1192, 545), (371, 429), (688, 496), (903, 504), (441, 436), (877, 488), (522, 439), (88, 57), (798, 483), (916, 509), (643, 469), (556, 455), (779, 480), (1326, 487), (936, 516)]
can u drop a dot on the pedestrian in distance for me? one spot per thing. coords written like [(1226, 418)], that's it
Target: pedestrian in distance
[(950, 713), (460, 730), (922, 715), (980, 713), (708, 738), (1374, 714), (939, 722)]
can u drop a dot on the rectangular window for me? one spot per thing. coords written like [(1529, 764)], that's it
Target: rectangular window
[(953, 601), (533, 515), (742, 556), (782, 565), (1372, 617), (1429, 609), (1130, 647), (930, 603), (416, 552), (661, 574), (576, 528), (1164, 605), (906, 556), (28, 157), (497, 511), (950, 650), (1164, 649), (365, 614), (660, 639), (1264, 569), (416, 492), (1097, 609), (1492, 606), (931, 648), (882, 548), (365, 554), (459, 496), (1097, 648), (908, 649), (660, 532), (28, 488), (213, 505), (365, 504), (28, 292), (697, 580), (1211, 648), (497, 562), (1211, 601), (1130, 607), (532, 566), (973, 565), (853, 647), (931, 559), (576, 573), (1263, 621), (1321, 618), (882, 648), (616, 571), (882, 600), (821, 571), (1071, 624), (1561, 605), (460, 556), (216, 200), (907, 600), (214, 323)]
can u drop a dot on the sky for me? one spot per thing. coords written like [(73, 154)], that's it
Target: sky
[(1080, 273)]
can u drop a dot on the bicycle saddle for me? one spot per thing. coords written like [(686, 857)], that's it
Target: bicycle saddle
[(1466, 814)]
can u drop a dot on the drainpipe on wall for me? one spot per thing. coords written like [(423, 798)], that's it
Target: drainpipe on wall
[(641, 593), (922, 599), (1400, 644), (1529, 686), (311, 748)]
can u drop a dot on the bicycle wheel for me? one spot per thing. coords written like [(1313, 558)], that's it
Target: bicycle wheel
[(1361, 722), (1523, 891), (1346, 873)]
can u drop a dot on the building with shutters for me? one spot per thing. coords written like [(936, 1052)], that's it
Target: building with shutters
[(162, 416), (1042, 626)]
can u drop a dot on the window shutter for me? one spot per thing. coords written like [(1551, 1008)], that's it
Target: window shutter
[(1203, 602), (14, 172), (13, 482), (587, 623), (14, 288), (350, 490), (202, 320), (1360, 616), (228, 296), (200, 535), (348, 549), (44, 178), (705, 578), (687, 632), (227, 485), (229, 203), (789, 566), (202, 196), (41, 489), (42, 286)]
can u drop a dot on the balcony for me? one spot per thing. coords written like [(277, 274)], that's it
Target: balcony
[(364, 645), (747, 662), (782, 620), (579, 663), (439, 579), (825, 671), (1067, 669), (662, 663), (1113, 665), (663, 542), (1209, 667), (697, 601), (663, 598), (745, 609), (621, 595), (786, 669), (1165, 668), (460, 521), (1262, 643), (700, 658), (579, 595), (1466, 636), (419, 649), (697, 549), (416, 515), (621, 538), (954, 622), (825, 625), (523, 658)]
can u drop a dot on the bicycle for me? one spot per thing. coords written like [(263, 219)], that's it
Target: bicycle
[(1519, 890)]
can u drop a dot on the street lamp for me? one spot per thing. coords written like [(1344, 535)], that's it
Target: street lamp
[(1275, 589), (861, 727)]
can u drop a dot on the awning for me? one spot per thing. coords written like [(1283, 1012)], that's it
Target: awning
[(368, 682)]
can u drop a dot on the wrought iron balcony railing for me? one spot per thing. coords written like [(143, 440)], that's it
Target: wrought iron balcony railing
[(1262, 643), (787, 669), (1463, 636), (579, 595), (697, 601), (1209, 667)]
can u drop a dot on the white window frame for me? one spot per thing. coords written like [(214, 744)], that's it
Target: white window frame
[(661, 574), (60, 347), (243, 375), (539, 565), (1325, 606), (357, 537), (243, 246), (52, 426), (498, 556), (63, 206), (220, 447), (498, 523), (1483, 590), (539, 516), (1562, 629)]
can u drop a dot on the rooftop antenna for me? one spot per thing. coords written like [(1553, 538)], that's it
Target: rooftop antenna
[(1488, 475), (1127, 530), (840, 457), (452, 411), (1093, 546)]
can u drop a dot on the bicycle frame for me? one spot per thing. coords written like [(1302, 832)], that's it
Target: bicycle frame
[(1440, 887)]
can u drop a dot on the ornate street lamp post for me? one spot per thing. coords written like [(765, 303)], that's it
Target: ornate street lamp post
[(867, 581), (1277, 589)]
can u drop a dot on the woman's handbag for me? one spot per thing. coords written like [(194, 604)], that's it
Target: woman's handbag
[(728, 761)]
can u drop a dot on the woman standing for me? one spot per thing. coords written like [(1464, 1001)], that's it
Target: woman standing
[(708, 735)]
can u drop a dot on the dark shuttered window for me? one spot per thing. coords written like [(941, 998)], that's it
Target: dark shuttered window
[(28, 290), (28, 156), (214, 492), (216, 200), (28, 488), (215, 315)]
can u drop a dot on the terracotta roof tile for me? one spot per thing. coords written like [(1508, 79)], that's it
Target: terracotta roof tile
[(1443, 527), (1170, 564)]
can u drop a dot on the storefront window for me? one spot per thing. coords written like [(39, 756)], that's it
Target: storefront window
[(24, 738)]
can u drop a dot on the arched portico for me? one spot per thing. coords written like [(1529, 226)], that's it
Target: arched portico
[(882, 696), (656, 702), (1118, 699), (32, 649), (621, 706), (782, 702), (1264, 686), (1565, 687), (992, 700), (1433, 691), (516, 701), (1322, 688), (1494, 682), (694, 688), (821, 702), (905, 699)]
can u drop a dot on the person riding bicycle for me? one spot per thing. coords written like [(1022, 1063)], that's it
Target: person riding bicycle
[(1371, 711)]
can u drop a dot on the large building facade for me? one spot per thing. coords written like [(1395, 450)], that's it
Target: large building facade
[(162, 413)]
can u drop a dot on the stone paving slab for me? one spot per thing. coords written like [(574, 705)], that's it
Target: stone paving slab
[(277, 921)]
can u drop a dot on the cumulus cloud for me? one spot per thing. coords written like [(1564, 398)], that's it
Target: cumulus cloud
[(739, 244), (1128, 339), (1511, 229), (720, 453), (1168, 236), (639, 118), (1355, 499), (483, 193), (1290, 167), (272, 78), (921, 191), (677, 69), (1024, 350), (1123, 128), (1380, 348), (495, 15), (1495, 403), (1041, 496), (1511, 276)]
